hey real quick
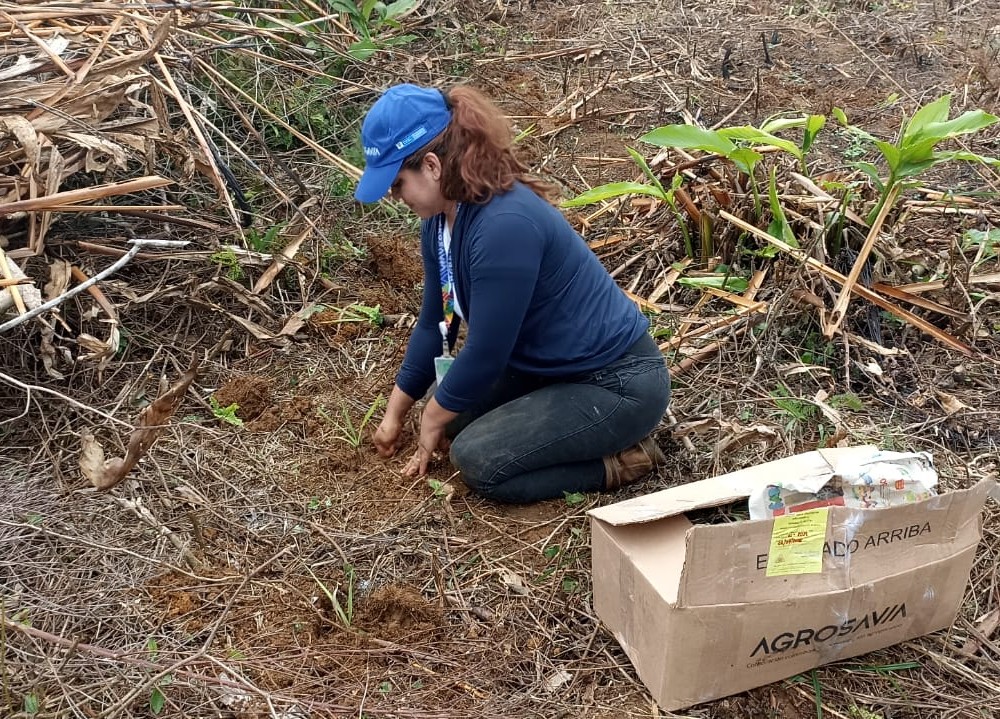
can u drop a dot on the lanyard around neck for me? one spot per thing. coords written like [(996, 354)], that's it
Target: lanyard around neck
[(446, 275)]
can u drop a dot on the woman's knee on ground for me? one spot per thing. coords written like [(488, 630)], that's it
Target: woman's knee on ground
[(475, 459)]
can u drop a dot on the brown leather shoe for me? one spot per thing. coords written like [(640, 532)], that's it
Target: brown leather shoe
[(632, 464)]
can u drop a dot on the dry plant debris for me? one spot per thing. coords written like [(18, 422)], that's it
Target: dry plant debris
[(276, 567)]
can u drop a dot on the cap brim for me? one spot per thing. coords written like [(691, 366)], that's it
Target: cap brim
[(376, 181)]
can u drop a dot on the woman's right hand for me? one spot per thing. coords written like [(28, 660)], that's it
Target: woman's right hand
[(386, 437)]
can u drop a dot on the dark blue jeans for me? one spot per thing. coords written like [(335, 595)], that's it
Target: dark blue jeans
[(533, 438)]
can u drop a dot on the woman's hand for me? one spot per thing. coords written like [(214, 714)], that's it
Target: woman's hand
[(432, 425), (431, 440), (386, 437)]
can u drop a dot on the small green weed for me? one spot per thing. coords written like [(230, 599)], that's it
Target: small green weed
[(574, 499), (372, 19), (263, 242), (228, 263), (225, 414), (438, 488), (346, 430), (345, 611)]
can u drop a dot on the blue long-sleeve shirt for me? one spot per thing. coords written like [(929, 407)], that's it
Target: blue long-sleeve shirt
[(535, 297)]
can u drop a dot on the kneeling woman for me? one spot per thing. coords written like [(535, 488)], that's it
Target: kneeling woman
[(558, 384)]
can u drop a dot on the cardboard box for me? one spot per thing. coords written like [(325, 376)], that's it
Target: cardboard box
[(696, 612)]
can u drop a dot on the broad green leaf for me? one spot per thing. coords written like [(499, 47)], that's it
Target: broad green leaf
[(395, 9), (988, 240), (782, 123), (689, 136), (909, 168), (814, 124), (156, 701), (840, 116), (779, 226), (719, 282), (30, 704), (917, 149), (890, 152), (611, 191), (646, 170), (967, 157), (362, 50), (745, 159), (758, 137), (964, 124), (872, 172), (936, 111)]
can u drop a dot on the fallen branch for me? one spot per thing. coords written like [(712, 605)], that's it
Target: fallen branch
[(136, 246), (105, 474), (840, 306)]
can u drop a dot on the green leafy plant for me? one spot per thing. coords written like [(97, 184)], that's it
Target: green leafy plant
[(229, 263), (985, 242), (345, 610), (798, 410), (438, 488), (371, 19), (362, 313), (157, 699), (263, 242), (346, 430), (654, 188), (914, 151), (225, 414), (575, 499)]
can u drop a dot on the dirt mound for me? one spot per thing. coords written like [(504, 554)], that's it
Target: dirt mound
[(398, 611), (396, 260), (250, 393)]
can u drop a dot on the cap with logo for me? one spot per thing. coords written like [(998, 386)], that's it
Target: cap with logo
[(405, 119)]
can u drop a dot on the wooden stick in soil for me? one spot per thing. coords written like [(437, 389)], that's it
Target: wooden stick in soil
[(840, 306), (12, 288), (859, 290)]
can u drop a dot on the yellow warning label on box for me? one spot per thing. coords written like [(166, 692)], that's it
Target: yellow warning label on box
[(797, 543)]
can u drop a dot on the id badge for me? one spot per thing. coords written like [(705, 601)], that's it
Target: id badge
[(441, 367)]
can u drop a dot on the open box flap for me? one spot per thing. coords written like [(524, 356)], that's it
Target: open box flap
[(724, 488)]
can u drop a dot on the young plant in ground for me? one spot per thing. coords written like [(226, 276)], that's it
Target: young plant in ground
[(913, 153), (345, 610), (226, 415), (362, 313), (654, 188), (371, 19), (346, 430), (732, 143)]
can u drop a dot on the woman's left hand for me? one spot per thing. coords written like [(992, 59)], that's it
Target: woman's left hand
[(432, 425), (431, 440)]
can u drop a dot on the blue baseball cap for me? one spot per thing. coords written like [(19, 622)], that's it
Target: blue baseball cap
[(406, 118)]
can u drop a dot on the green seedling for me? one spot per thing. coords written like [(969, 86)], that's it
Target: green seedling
[(229, 263), (225, 414), (985, 243), (438, 488), (914, 151), (345, 611), (362, 313), (654, 188), (263, 242), (574, 499), (31, 704), (371, 19), (157, 699), (346, 430)]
